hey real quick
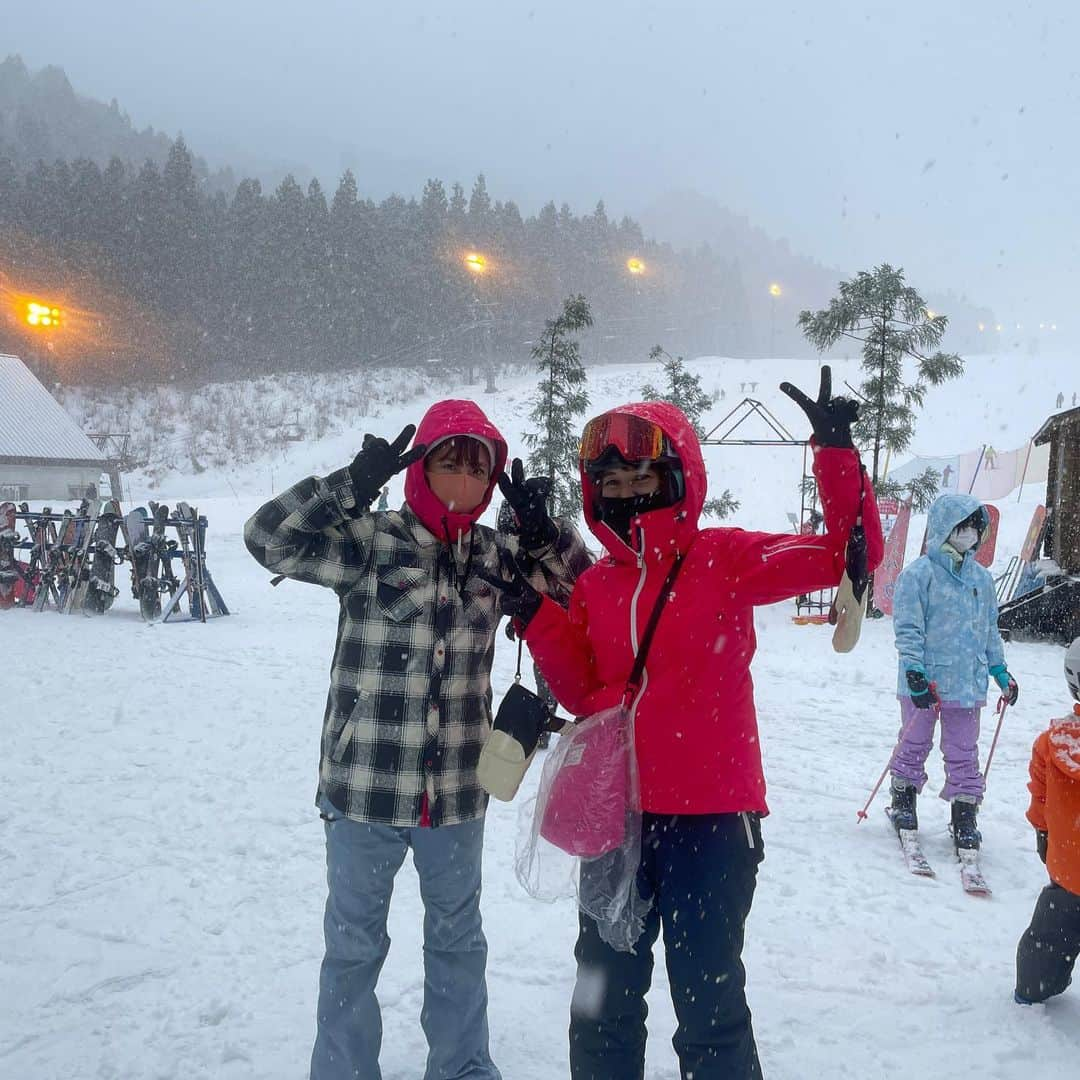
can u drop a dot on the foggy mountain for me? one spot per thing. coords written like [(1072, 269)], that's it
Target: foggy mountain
[(42, 118)]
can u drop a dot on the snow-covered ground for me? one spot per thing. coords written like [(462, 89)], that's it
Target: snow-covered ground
[(161, 862)]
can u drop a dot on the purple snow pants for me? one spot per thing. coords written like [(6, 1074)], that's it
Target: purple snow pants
[(959, 747)]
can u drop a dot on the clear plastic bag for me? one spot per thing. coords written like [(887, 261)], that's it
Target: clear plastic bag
[(582, 832)]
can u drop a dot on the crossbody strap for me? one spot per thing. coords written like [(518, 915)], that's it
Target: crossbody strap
[(633, 684)]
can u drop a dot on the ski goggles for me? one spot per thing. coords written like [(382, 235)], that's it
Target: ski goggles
[(634, 438)]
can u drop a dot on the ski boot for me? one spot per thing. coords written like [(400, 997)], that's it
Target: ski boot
[(902, 811), (964, 831)]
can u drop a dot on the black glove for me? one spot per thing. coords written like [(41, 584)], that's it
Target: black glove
[(1042, 838), (528, 499), (517, 598), (831, 418), (380, 460), (923, 695)]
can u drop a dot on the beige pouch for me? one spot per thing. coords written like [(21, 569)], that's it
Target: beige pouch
[(846, 615), (502, 765)]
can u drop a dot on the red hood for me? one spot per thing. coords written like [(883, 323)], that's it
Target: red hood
[(673, 526), (1065, 746), (443, 419)]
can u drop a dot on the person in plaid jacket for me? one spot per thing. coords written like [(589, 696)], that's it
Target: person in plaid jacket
[(408, 711)]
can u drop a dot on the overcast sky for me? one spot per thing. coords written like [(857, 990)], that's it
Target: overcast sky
[(940, 135)]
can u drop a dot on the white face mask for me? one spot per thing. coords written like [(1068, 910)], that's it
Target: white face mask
[(964, 539)]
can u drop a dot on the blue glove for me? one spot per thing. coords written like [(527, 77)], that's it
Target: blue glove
[(1010, 690)]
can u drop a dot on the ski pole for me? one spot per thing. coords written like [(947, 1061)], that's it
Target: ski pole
[(1002, 705), (862, 814)]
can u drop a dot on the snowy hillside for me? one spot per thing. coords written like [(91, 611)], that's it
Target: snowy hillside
[(161, 862)]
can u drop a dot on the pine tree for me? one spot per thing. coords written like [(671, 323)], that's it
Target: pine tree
[(892, 323), (559, 399), (683, 390)]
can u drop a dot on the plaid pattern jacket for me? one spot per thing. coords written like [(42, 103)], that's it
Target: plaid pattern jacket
[(409, 705)]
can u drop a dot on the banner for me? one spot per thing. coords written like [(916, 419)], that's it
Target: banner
[(984, 555), (990, 474), (889, 570)]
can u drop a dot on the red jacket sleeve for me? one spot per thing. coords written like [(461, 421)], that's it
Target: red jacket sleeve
[(559, 644), (767, 567), (1036, 813)]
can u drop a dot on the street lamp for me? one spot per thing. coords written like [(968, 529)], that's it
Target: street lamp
[(42, 315), (775, 292), (635, 266), (476, 263)]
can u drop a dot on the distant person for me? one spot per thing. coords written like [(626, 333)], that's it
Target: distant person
[(946, 475), (990, 457), (945, 622), (1061, 400), (384, 499), (1047, 952), (1074, 399)]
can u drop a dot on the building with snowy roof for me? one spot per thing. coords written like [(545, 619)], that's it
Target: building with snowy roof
[(44, 454)]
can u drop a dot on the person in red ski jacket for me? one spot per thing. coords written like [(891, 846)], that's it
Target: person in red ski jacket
[(701, 780)]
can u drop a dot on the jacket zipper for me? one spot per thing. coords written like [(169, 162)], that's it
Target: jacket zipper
[(749, 831), (634, 643)]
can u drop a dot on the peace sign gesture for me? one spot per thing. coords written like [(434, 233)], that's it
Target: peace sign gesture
[(831, 418), (379, 460)]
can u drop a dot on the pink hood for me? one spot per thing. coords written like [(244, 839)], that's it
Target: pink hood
[(443, 419)]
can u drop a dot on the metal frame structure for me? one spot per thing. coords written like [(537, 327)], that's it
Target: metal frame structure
[(813, 606)]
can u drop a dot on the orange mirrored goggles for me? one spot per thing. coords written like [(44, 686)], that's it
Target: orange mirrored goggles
[(634, 438)]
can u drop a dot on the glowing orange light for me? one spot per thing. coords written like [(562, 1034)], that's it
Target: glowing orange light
[(41, 314), (476, 263), (635, 266)]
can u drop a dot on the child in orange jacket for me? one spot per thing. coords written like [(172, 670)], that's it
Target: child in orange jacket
[(1047, 951)]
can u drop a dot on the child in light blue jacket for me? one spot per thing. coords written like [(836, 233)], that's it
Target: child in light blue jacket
[(945, 619)]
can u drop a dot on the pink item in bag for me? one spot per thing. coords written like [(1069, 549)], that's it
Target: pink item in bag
[(585, 810)]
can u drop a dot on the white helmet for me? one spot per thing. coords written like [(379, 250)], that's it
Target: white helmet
[(1072, 668)]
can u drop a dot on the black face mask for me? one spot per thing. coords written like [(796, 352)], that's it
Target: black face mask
[(618, 513)]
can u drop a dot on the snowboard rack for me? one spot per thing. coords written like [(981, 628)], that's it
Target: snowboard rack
[(68, 555)]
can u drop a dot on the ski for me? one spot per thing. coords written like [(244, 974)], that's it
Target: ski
[(104, 559), (80, 567), (971, 875), (10, 575), (911, 846)]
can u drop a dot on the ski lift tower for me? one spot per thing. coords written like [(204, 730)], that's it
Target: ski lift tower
[(809, 607)]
